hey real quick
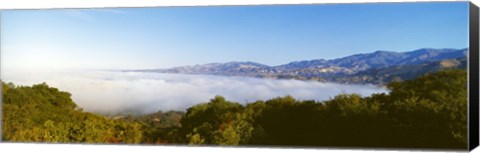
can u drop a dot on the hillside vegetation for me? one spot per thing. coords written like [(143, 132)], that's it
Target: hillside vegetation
[(44, 114), (429, 111)]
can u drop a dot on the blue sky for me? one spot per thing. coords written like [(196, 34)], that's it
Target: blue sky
[(138, 38)]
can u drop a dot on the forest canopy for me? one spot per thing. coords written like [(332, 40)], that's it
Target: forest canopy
[(427, 112)]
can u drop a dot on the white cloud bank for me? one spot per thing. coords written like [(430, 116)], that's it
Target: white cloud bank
[(112, 92)]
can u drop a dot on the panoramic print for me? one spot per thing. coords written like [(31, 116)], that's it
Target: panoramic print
[(388, 75)]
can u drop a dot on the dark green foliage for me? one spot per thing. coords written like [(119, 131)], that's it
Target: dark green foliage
[(159, 127), (432, 108), (427, 112), (216, 122), (44, 114), (283, 122)]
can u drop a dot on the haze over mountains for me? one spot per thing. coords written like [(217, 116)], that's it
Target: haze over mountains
[(342, 70)]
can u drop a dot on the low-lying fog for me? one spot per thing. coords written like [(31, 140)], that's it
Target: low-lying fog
[(115, 92)]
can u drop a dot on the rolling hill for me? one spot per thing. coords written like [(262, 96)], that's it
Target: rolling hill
[(381, 65)]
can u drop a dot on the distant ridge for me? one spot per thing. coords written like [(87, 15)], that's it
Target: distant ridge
[(321, 69)]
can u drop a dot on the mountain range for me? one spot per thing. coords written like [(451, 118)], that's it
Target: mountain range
[(345, 68)]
